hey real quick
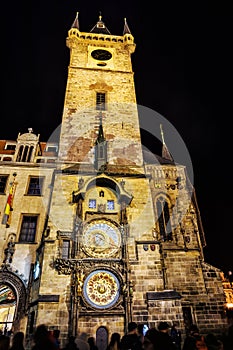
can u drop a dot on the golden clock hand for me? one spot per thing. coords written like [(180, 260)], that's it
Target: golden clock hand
[(112, 243)]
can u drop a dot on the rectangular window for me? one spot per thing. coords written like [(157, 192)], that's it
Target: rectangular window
[(187, 315), (51, 149), (28, 229), (100, 101), (65, 249), (3, 181), (35, 186), (10, 147), (110, 205), (92, 203)]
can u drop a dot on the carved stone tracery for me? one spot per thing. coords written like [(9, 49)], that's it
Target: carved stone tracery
[(14, 282)]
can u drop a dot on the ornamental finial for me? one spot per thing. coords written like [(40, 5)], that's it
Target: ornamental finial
[(162, 135)]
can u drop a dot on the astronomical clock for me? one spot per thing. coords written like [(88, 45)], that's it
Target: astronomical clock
[(101, 242), (101, 239), (98, 263), (101, 289)]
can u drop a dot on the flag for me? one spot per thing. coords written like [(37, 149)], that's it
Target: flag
[(9, 206)]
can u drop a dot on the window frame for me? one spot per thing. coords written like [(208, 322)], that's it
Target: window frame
[(110, 201), (65, 249), (164, 218), (28, 234), (5, 176), (94, 201), (38, 188), (10, 146), (99, 104)]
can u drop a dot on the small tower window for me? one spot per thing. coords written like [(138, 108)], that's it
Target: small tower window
[(100, 101), (164, 219), (19, 155), (110, 205), (92, 203), (25, 154), (30, 153), (65, 249), (101, 151)]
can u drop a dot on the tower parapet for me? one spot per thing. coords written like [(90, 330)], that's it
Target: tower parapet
[(103, 39)]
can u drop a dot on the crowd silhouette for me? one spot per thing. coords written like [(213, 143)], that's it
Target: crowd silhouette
[(114, 343), (17, 341), (137, 337)]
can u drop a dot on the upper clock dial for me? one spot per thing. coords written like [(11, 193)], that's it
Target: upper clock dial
[(101, 238), (101, 55)]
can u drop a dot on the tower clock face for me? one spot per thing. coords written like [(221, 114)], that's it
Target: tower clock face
[(101, 239), (101, 289), (101, 55)]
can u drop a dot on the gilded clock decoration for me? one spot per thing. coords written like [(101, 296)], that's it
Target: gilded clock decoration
[(101, 238), (101, 289)]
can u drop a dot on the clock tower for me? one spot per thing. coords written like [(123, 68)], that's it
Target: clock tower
[(100, 164), (123, 239), (100, 78)]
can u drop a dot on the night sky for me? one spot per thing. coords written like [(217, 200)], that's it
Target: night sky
[(183, 70)]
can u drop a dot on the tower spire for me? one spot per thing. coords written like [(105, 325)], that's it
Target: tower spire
[(165, 152), (126, 28), (100, 137), (76, 22), (100, 146)]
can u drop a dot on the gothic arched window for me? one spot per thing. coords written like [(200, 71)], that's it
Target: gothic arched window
[(25, 154), (30, 153), (164, 219), (19, 153), (101, 151)]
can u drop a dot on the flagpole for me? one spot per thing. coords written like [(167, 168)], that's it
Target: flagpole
[(9, 203)]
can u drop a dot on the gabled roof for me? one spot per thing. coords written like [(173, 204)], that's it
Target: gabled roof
[(152, 158), (100, 27)]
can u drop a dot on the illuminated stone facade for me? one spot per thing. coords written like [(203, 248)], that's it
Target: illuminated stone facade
[(102, 232)]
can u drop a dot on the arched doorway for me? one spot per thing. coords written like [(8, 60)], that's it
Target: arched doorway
[(7, 308), (102, 338), (12, 300)]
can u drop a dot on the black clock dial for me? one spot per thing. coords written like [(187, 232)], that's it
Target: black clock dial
[(101, 55)]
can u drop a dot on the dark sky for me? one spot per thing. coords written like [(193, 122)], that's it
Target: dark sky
[(183, 70)]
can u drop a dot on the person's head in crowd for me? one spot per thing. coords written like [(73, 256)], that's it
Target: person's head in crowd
[(132, 327), (163, 327)]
